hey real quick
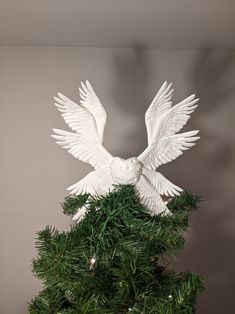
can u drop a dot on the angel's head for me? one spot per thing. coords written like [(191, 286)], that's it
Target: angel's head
[(125, 171)]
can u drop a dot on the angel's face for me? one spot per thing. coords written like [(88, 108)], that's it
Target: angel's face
[(125, 171)]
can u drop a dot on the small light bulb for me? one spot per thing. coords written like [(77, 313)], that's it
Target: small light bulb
[(170, 297), (92, 262)]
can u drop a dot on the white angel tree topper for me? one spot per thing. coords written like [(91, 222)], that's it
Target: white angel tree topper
[(163, 122)]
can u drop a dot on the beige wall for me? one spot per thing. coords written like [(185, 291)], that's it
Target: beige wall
[(35, 171)]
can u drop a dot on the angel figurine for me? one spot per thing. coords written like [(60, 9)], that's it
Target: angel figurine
[(163, 121)]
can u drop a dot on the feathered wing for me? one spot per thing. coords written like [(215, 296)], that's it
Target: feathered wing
[(84, 148), (164, 144), (150, 198), (90, 101), (80, 214), (160, 104), (97, 182), (161, 184), (88, 121), (77, 117), (87, 116)]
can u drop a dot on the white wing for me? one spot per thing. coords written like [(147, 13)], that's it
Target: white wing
[(86, 120), (160, 104), (86, 117), (84, 147), (90, 101), (165, 145), (78, 118), (161, 184), (80, 214), (150, 198), (97, 182)]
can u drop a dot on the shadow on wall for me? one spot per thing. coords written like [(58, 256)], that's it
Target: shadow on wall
[(133, 70), (211, 252)]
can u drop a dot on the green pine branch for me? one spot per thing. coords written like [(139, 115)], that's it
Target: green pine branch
[(111, 262)]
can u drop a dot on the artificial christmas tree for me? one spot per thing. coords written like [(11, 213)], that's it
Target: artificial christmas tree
[(114, 259)]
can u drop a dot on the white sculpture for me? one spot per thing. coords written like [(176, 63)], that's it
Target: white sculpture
[(163, 121)]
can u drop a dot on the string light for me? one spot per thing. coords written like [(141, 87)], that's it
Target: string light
[(170, 297), (92, 262), (122, 283), (180, 301)]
